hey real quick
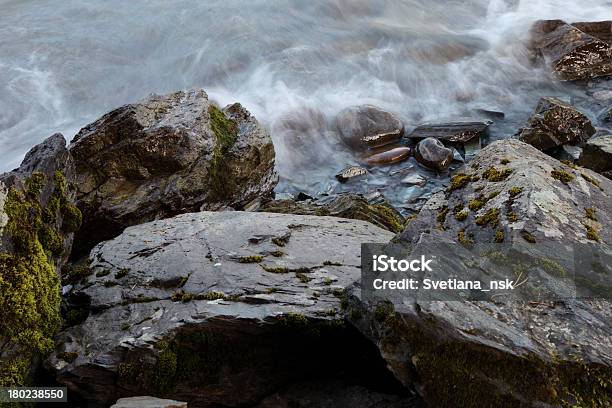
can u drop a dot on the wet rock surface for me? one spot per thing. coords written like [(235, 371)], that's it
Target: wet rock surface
[(344, 205), (350, 173), (387, 157), (452, 132), (504, 352), (164, 156), (214, 308), (432, 154), (597, 155), (367, 126), (570, 53), (554, 123)]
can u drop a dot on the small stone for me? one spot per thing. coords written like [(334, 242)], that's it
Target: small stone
[(367, 126), (389, 157), (432, 154), (148, 402), (554, 123), (415, 180), (350, 173)]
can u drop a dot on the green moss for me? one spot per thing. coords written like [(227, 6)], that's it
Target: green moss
[(492, 174), (211, 296), (591, 233), (441, 217), (527, 236), (165, 370), (327, 281), (499, 236), (251, 259), (562, 175), (29, 284), (570, 164), (275, 268), (277, 254), (514, 191), (295, 320), (332, 263), (491, 217), (461, 216), (281, 242), (125, 326), (302, 277), (384, 311), (590, 214), (458, 181), (322, 212), (511, 216), (51, 240), (226, 133), (123, 272), (182, 296), (463, 238), (504, 161), (591, 180), (69, 357), (477, 203), (390, 218)]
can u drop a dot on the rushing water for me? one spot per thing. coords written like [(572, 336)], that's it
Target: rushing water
[(65, 63)]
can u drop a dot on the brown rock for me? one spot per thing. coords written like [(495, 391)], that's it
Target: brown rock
[(452, 132), (432, 154), (392, 156)]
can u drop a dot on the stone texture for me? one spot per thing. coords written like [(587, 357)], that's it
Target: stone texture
[(598, 29), (387, 157), (167, 155), (452, 132), (506, 352), (554, 123), (214, 308), (571, 53), (344, 205), (351, 173), (148, 402), (597, 155), (432, 154), (366, 126)]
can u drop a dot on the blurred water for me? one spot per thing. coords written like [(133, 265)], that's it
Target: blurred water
[(64, 64)]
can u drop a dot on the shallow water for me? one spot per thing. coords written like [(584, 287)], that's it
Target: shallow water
[(64, 64)]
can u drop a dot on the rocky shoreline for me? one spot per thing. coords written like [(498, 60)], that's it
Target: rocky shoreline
[(152, 256)]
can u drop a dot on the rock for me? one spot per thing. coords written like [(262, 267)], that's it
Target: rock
[(344, 205), (336, 394), (415, 179), (167, 155), (432, 154), (38, 219), (453, 132), (597, 155), (571, 53), (555, 123), (606, 116), (350, 173), (148, 402), (599, 29), (387, 157), (366, 126), (215, 308), (567, 152), (506, 351)]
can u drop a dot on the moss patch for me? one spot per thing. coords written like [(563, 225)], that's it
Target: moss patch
[(591, 233), (441, 217), (491, 217), (226, 133), (591, 180), (514, 191), (527, 236), (251, 259), (590, 214), (464, 238), (275, 268), (458, 181), (562, 175), (499, 236), (492, 174)]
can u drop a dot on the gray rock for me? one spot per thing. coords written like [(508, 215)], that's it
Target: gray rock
[(453, 132), (168, 155), (555, 123), (415, 179), (351, 173), (571, 53), (148, 402), (506, 352), (432, 154), (597, 155), (213, 308), (37, 223), (366, 126)]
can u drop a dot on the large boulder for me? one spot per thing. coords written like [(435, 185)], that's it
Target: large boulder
[(597, 155), (506, 351), (38, 219), (167, 155), (554, 123), (366, 126), (215, 308), (571, 53)]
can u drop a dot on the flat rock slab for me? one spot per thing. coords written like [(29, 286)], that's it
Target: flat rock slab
[(241, 281), (452, 132), (148, 402)]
